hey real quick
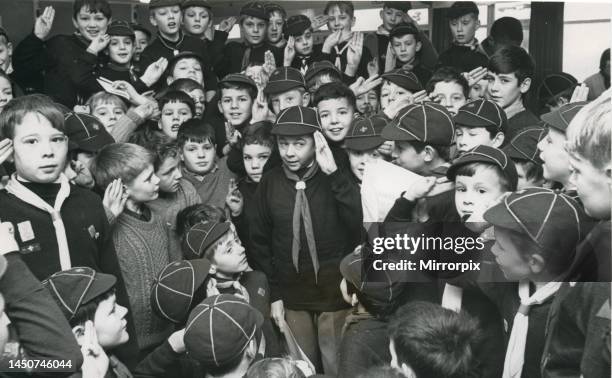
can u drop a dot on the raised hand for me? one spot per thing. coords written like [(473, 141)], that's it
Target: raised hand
[(115, 197), (147, 110), (324, 156), (289, 52), (95, 360), (355, 49), (176, 341), (227, 24), (43, 24), (390, 61), (475, 75), (581, 93), (319, 21), (6, 149), (154, 71), (277, 313), (373, 67), (269, 63), (332, 40), (98, 44), (361, 86), (231, 134), (234, 199), (260, 111), (419, 188), (420, 96)]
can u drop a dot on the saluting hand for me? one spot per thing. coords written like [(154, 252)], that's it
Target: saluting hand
[(324, 156), (98, 44), (43, 24), (289, 52)]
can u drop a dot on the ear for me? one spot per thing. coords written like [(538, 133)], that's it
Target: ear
[(477, 23), (9, 47), (537, 263), (608, 173), (220, 107), (75, 23), (306, 99), (418, 46), (152, 19), (159, 125), (428, 153), (525, 85), (382, 11), (498, 140), (353, 22), (79, 332)]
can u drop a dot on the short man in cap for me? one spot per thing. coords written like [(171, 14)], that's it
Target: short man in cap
[(237, 56), (300, 51), (300, 234), (523, 150)]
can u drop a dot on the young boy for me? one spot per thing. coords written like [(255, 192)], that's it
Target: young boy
[(427, 340), (463, 23), (276, 24), (195, 91), (186, 65), (523, 150), (511, 71), (406, 46), (397, 85), (555, 91), (481, 122), (209, 175), (302, 263), (176, 107), (142, 37), (285, 88), (108, 108), (320, 73), (368, 103), (363, 141), (139, 235), (448, 88), (300, 51), (536, 233), (335, 104)]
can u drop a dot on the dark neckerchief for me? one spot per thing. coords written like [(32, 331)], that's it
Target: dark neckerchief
[(170, 45), (47, 192)]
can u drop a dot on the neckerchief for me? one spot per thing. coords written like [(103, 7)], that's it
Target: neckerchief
[(304, 63), (26, 195), (339, 52), (301, 212), (174, 46)]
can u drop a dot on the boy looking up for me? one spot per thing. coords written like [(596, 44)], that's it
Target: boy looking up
[(511, 71), (481, 122)]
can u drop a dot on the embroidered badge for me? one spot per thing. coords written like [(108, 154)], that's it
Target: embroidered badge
[(261, 292), (92, 232), (26, 233), (300, 185)]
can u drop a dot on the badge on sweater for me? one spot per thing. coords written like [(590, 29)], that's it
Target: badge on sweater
[(261, 291), (92, 232), (26, 233)]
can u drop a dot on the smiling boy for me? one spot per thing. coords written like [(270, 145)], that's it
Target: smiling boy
[(335, 103), (176, 107)]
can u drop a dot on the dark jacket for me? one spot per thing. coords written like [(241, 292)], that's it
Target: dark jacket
[(378, 43), (464, 58), (238, 55), (520, 121), (365, 344)]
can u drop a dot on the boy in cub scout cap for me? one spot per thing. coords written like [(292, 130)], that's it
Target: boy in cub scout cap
[(397, 85), (319, 73), (300, 51), (286, 87), (480, 122), (299, 249), (523, 150)]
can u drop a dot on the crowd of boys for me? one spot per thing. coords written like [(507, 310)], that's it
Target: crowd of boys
[(174, 204)]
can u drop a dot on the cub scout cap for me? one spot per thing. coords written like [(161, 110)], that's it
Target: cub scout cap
[(489, 155), (284, 79), (86, 132), (461, 8), (239, 78), (365, 133), (163, 3), (524, 145), (561, 118), (174, 288), (201, 236), (554, 85), (136, 26), (403, 29), (296, 120), (403, 6), (120, 28), (317, 67), (482, 113), (404, 78), (254, 9), (219, 330), (195, 3), (425, 122), (75, 287), (552, 220), (297, 25)]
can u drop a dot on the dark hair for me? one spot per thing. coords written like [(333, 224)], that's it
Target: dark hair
[(470, 170), (533, 171), (333, 91), (406, 29), (252, 91), (93, 6), (512, 59), (173, 64), (443, 151), (334, 75), (507, 31), (344, 6), (258, 133), (448, 75), (434, 341), (274, 7), (16, 109), (605, 56), (185, 85), (88, 310), (176, 96), (186, 218), (195, 130), (164, 149)]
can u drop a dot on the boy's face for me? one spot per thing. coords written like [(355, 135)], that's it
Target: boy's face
[(405, 47), (229, 256), (255, 157), (367, 103), (594, 186), (296, 151), (505, 89), (173, 114), (304, 43), (108, 114), (90, 25), (319, 80), (406, 156), (110, 323), (359, 159), (390, 92), (470, 137), (556, 159), (336, 115), (236, 105), (474, 195), (275, 27), (198, 158), (479, 90), (6, 52), (507, 256), (121, 49), (523, 181), (188, 68), (85, 157), (340, 20), (199, 99), (391, 17), (196, 20), (281, 101), (6, 92), (464, 28), (169, 173), (140, 43), (450, 95), (144, 187), (253, 30), (40, 151), (167, 20)]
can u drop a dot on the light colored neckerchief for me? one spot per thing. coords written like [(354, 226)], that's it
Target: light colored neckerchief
[(339, 52), (26, 195), (515, 354)]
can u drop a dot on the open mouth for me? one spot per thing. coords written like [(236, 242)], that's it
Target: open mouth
[(336, 130), (171, 25)]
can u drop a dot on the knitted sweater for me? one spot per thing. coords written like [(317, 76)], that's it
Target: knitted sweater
[(213, 186), (167, 206), (142, 249)]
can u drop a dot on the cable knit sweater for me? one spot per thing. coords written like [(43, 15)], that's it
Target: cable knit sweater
[(168, 205), (142, 249)]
